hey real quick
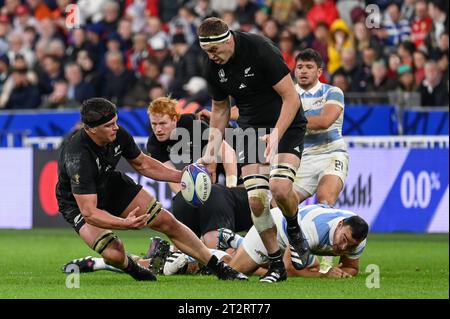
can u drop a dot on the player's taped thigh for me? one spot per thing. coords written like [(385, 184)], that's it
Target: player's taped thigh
[(257, 186), (153, 209), (283, 171), (103, 240)]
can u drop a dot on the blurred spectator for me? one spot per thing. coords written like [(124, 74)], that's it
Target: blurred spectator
[(347, 7), (114, 42), (23, 18), (271, 30), (111, 15), (304, 37), (4, 30), (77, 89), (187, 60), (323, 11), (168, 10), (197, 97), (95, 45), (52, 72), (126, 34), (156, 33), (280, 10), (421, 24), (321, 40), (369, 56), (405, 51), (39, 9), (138, 54), (433, 90), (139, 94), (245, 11), (340, 39), (203, 9), (394, 63), (30, 37), (380, 83), (438, 13), (4, 70), (118, 81), (23, 95), (17, 47), (406, 78), (407, 10), (286, 45), (230, 19), (349, 68), (91, 10), (77, 42), (90, 75), (395, 29), (59, 99), (340, 80), (364, 39), (137, 14), (221, 6), (157, 91), (420, 58), (186, 22), (167, 75)]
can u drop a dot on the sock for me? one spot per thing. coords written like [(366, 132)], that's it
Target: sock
[(276, 258), (237, 241), (213, 263), (99, 264), (138, 272), (292, 222)]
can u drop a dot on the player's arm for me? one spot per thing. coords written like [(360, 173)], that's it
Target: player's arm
[(291, 104), (326, 118), (349, 265), (154, 169), (311, 271), (87, 203), (205, 114), (229, 162), (174, 187), (220, 116)]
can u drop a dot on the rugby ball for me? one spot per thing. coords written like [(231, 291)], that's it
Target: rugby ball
[(195, 184)]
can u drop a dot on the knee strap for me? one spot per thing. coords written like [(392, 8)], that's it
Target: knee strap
[(153, 209), (283, 170), (103, 240), (258, 186)]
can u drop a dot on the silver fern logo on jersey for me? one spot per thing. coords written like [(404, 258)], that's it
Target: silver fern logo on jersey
[(222, 77)]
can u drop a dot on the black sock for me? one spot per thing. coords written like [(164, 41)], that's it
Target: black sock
[(213, 263), (276, 258), (137, 271), (292, 222)]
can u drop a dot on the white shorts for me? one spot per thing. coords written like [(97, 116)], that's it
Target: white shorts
[(254, 246), (314, 167)]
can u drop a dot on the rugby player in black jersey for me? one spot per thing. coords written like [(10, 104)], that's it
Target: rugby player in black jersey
[(95, 198), (250, 69)]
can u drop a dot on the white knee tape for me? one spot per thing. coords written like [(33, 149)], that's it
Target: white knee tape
[(264, 221), (283, 170)]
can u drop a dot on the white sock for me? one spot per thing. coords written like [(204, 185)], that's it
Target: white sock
[(237, 241)]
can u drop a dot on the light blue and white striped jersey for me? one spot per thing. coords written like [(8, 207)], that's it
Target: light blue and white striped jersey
[(318, 223), (313, 101)]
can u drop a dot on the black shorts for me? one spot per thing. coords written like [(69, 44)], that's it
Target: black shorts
[(250, 149), (225, 208), (114, 197)]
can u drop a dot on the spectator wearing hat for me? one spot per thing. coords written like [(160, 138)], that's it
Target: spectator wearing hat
[(433, 90), (357, 14), (421, 24), (406, 81), (187, 61), (340, 39)]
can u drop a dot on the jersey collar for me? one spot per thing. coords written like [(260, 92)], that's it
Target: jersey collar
[(311, 91)]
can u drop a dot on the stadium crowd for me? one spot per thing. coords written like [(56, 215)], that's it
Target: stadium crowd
[(134, 51)]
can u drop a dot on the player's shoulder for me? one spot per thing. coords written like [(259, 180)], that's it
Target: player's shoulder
[(75, 142), (328, 88), (186, 120)]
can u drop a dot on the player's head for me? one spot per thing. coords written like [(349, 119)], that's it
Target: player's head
[(163, 117), (99, 117), (216, 40), (350, 232), (308, 68)]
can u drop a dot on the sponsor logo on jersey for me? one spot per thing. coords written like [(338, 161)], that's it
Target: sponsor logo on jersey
[(222, 77), (246, 72)]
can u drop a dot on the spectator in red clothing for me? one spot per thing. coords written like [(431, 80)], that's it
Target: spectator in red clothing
[(421, 25), (323, 11), (40, 10)]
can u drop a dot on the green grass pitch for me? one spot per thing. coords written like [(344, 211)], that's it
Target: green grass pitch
[(411, 266)]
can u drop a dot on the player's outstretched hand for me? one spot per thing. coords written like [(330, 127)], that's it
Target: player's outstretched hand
[(136, 222), (337, 272), (203, 115)]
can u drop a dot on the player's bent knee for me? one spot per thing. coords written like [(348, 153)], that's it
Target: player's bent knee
[(257, 187), (103, 240), (114, 254), (263, 222)]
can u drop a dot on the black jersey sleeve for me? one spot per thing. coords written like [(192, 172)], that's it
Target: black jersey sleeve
[(130, 150), (82, 171), (272, 62)]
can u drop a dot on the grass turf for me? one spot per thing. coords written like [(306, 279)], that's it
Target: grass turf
[(411, 266)]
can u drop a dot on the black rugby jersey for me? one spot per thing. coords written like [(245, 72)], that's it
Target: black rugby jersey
[(256, 66), (164, 151), (84, 167)]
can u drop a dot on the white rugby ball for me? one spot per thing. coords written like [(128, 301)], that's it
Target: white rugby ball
[(195, 184)]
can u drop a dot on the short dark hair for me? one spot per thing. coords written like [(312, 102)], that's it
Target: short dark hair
[(310, 55), (212, 26), (358, 226), (95, 109)]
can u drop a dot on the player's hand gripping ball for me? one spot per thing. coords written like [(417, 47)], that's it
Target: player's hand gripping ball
[(195, 184)]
